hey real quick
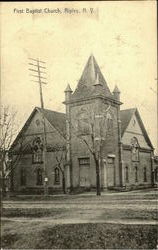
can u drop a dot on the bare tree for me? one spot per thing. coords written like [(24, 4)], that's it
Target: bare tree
[(8, 127), (9, 155), (92, 127), (8, 130)]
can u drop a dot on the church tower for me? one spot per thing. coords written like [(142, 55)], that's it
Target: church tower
[(93, 121)]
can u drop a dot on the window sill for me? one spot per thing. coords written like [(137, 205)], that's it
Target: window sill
[(40, 162)]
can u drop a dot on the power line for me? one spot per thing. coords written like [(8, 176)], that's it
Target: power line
[(39, 75)]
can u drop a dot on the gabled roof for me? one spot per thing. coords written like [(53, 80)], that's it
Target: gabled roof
[(92, 82), (56, 119), (126, 116)]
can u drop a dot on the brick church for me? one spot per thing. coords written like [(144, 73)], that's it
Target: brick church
[(55, 147)]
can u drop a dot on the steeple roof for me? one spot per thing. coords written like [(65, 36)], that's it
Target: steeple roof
[(68, 88), (116, 89), (92, 82)]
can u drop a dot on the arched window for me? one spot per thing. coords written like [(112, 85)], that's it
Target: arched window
[(135, 149), (37, 150), (109, 122), (145, 175), (126, 174), (39, 176), (106, 124), (23, 177), (57, 176), (156, 174), (83, 123), (136, 174)]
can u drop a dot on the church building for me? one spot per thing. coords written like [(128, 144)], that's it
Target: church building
[(59, 151)]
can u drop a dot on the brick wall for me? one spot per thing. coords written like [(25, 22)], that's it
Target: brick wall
[(31, 172), (79, 148), (144, 161), (53, 138)]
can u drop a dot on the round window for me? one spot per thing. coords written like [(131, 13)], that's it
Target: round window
[(37, 122)]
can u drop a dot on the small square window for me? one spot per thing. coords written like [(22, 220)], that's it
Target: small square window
[(37, 157), (84, 161)]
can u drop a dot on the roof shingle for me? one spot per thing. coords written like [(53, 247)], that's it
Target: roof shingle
[(126, 116), (57, 119), (87, 86)]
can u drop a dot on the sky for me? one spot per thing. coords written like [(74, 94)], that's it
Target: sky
[(121, 35)]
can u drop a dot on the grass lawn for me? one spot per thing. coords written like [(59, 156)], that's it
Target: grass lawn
[(39, 235), (81, 213), (115, 220)]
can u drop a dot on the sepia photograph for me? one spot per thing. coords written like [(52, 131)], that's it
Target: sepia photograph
[(79, 125)]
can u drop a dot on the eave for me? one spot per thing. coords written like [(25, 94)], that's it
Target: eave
[(92, 98)]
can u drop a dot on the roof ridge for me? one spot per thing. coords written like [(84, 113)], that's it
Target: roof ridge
[(51, 110), (128, 109)]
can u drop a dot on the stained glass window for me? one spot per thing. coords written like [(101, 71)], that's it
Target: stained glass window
[(135, 149), (37, 150)]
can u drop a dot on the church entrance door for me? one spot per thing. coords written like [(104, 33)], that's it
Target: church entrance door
[(84, 167), (110, 172)]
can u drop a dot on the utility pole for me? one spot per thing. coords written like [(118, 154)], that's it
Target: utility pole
[(37, 68), (157, 112), (156, 92)]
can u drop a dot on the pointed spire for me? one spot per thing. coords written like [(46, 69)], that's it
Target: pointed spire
[(68, 93), (68, 89), (91, 70), (116, 93), (116, 90), (91, 76)]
